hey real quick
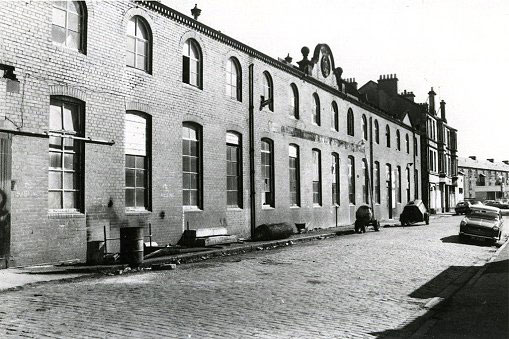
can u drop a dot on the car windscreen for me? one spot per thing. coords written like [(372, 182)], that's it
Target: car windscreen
[(483, 215)]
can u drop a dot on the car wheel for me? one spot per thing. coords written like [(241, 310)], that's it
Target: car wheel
[(426, 219), (463, 238)]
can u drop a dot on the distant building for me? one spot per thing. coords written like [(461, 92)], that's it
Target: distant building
[(438, 149), (484, 179)]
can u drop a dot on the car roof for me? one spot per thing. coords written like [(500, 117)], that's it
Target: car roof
[(477, 208)]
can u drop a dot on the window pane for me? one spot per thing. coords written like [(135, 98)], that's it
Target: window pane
[(193, 195), (186, 180), (131, 27), (70, 180), (73, 40), (186, 198), (74, 22), (140, 178), (68, 161), (129, 178), (141, 31), (130, 59), (55, 117), (55, 180), (59, 17), (55, 142), (129, 161), (54, 200), (70, 144), (55, 160), (140, 62), (186, 164), (141, 47), (73, 7), (129, 197), (140, 162), (194, 148), (58, 34), (140, 197), (67, 113), (131, 44), (193, 165), (194, 181), (70, 199)]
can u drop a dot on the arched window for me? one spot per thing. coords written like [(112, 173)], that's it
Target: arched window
[(377, 132), (294, 169), (365, 182), (268, 90), (192, 63), (407, 184), (137, 160), (376, 177), (138, 44), (316, 109), (317, 177), (336, 178), (65, 170), (398, 191), (387, 136), (407, 143), (334, 116), (267, 170), (350, 123), (294, 101), (69, 24), (233, 79), (364, 127), (351, 179), (233, 169), (398, 140), (191, 165)]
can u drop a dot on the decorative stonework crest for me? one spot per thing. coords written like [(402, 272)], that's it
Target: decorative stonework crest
[(325, 65)]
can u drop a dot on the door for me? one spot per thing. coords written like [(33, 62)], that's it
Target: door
[(5, 199), (388, 189)]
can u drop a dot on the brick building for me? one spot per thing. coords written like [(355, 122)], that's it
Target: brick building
[(484, 179), (438, 149), (116, 114)]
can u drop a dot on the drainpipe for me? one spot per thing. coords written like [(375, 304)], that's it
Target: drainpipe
[(415, 165), (252, 188), (371, 164)]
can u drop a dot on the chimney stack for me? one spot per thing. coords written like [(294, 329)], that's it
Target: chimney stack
[(473, 157), (431, 95), (505, 162), (408, 95), (388, 83), (442, 110), (352, 82), (491, 160)]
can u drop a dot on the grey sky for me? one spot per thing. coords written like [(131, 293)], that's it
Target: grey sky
[(460, 47)]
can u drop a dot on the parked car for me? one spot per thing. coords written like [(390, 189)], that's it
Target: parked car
[(483, 222), (414, 211), (462, 207), (488, 202), (500, 204)]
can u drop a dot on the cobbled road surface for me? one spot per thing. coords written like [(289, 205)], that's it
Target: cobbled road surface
[(354, 286)]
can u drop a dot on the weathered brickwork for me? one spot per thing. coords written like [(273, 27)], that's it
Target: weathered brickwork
[(101, 79)]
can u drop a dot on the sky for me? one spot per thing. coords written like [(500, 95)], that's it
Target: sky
[(458, 47)]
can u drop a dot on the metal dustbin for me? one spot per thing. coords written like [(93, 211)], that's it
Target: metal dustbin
[(131, 245), (95, 252)]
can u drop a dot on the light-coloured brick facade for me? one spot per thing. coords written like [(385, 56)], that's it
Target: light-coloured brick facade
[(108, 88)]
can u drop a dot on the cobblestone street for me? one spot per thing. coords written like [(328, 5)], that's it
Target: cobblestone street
[(351, 286)]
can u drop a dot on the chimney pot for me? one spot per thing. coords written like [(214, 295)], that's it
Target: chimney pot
[(195, 12)]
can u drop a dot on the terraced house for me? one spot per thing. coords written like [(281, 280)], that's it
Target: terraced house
[(116, 114)]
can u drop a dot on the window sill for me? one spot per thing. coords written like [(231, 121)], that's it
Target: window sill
[(234, 208), (317, 205), (66, 49), (61, 214), (267, 207), (129, 211), (191, 209), (191, 87), (137, 70), (295, 207)]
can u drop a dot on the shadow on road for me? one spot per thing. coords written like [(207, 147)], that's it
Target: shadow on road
[(421, 224), (475, 311), (456, 240)]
